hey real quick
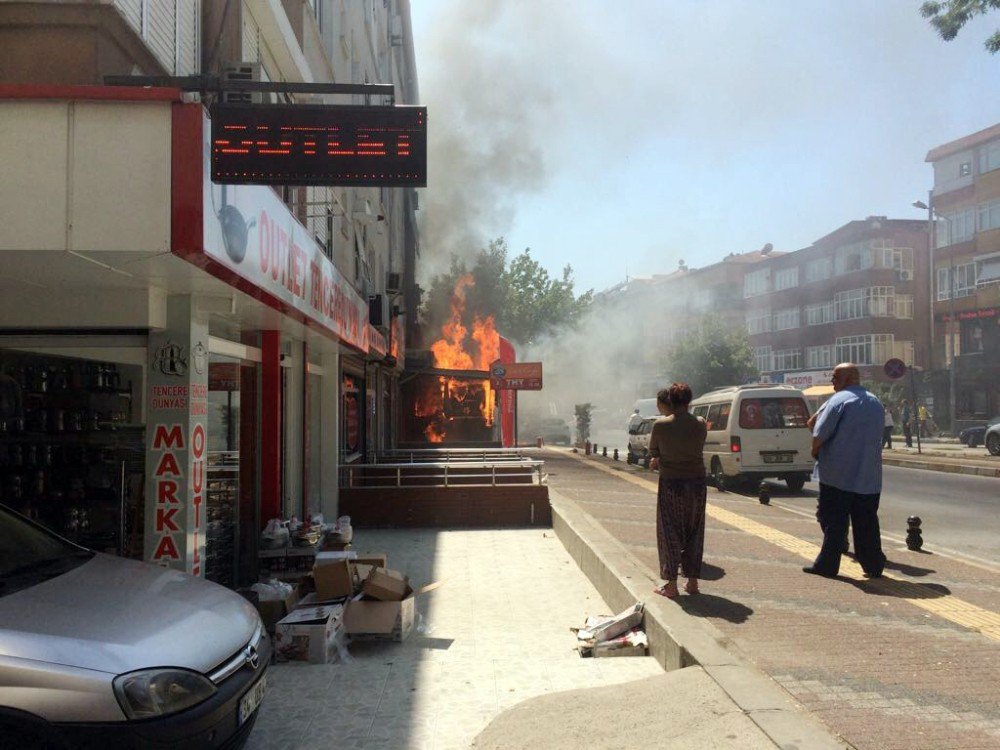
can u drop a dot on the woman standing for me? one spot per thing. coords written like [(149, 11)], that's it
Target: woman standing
[(676, 446)]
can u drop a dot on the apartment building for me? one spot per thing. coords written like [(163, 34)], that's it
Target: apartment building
[(228, 345), (854, 295), (965, 209)]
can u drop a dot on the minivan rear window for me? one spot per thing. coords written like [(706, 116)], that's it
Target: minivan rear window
[(773, 413)]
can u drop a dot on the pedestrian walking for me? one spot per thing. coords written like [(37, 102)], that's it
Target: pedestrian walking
[(906, 417), (922, 416), (887, 432), (847, 444), (676, 445)]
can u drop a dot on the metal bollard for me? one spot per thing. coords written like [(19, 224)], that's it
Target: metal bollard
[(914, 537), (538, 442), (604, 451), (764, 494), (616, 454), (586, 448)]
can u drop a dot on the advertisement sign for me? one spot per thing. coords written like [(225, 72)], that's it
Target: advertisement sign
[(516, 376), (249, 231), (177, 439), (808, 379)]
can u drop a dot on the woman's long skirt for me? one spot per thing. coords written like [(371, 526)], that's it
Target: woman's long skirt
[(680, 526)]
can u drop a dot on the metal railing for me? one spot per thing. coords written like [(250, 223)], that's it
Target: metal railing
[(464, 473), (451, 455)]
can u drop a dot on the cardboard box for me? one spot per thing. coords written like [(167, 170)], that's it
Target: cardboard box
[(274, 610), (386, 585), (374, 560), (310, 634), (333, 578), (384, 621)]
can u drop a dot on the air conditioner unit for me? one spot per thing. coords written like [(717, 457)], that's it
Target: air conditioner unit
[(904, 274), (393, 282), (244, 72), (378, 311)]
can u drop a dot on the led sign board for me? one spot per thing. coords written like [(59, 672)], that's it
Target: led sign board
[(268, 144)]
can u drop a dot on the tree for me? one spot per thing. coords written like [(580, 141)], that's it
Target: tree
[(715, 355), (950, 16), (582, 412), (525, 302)]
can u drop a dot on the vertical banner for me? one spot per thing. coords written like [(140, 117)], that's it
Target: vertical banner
[(176, 429)]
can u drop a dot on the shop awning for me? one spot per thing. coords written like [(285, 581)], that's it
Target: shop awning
[(818, 390)]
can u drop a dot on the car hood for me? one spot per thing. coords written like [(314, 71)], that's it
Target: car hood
[(116, 615)]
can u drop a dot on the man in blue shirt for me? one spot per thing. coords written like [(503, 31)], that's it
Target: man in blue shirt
[(847, 443)]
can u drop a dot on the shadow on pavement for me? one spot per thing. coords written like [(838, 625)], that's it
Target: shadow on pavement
[(709, 605), (711, 572), (908, 570), (902, 589)]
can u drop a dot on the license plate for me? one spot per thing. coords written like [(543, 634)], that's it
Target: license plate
[(252, 699), (777, 458)]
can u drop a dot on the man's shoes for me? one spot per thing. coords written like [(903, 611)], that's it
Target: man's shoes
[(812, 570), (873, 575)]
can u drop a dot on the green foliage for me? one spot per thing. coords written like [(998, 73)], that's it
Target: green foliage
[(582, 412), (949, 16), (713, 356), (525, 301)]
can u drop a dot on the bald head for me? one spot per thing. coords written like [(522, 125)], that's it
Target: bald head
[(845, 374)]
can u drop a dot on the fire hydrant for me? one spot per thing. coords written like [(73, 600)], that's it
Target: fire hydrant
[(914, 537), (764, 494)]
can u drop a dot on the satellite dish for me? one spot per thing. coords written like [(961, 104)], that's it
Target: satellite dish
[(766, 250)]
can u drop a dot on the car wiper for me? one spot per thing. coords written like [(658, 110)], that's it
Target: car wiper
[(40, 565)]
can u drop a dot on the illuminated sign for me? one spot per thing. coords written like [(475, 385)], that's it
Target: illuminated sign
[(516, 376), (319, 145)]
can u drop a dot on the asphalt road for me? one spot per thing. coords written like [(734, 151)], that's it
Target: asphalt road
[(960, 513)]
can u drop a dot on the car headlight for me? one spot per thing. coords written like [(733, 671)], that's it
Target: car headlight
[(149, 693)]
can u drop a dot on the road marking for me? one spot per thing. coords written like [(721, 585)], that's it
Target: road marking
[(920, 595)]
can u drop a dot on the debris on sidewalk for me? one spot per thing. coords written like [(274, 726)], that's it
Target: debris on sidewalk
[(617, 635)]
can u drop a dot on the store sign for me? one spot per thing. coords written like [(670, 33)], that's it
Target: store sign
[(808, 379), (377, 343), (984, 314), (249, 231), (516, 376), (176, 429)]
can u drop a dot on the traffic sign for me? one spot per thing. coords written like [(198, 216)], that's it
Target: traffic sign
[(895, 368)]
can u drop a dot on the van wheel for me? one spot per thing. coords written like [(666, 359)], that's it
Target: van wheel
[(796, 483), (717, 476)]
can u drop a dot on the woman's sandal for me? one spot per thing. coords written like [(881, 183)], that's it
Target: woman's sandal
[(691, 589), (666, 591)]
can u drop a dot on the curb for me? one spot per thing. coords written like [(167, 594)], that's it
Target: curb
[(906, 463), (677, 640)]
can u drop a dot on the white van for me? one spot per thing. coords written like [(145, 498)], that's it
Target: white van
[(756, 432)]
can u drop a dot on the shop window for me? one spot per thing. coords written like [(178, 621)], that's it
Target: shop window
[(351, 416)]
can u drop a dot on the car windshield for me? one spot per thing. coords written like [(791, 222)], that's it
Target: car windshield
[(29, 554)]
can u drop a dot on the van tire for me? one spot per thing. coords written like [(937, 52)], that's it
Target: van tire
[(718, 477), (796, 483)]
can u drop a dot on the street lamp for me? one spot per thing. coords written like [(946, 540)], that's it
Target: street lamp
[(932, 217)]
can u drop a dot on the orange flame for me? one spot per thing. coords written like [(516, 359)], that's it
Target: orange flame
[(450, 354)]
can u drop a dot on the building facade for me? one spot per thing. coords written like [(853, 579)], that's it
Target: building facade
[(855, 295), (965, 212), (182, 361)]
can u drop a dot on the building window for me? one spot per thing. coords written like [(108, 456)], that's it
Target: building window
[(965, 169), (849, 305), (787, 359), (880, 301), (819, 269), (762, 357), (989, 158), (759, 322), (904, 306), (872, 349), (820, 357), (989, 216), (957, 227), (963, 281), (786, 278), (849, 258), (819, 314), (786, 319), (756, 282)]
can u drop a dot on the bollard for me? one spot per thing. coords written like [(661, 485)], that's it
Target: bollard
[(616, 454), (604, 451), (765, 494), (586, 448), (538, 442), (914, 537)]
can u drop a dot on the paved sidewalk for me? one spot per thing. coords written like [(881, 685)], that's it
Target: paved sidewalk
[(498, 635), (910, 661)]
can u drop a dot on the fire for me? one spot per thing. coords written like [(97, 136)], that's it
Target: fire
[(450, 353)]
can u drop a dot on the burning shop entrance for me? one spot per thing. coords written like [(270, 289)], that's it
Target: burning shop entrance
[(448, 399)]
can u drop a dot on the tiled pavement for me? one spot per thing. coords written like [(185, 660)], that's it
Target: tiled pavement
[(496, 633), (878, 670)]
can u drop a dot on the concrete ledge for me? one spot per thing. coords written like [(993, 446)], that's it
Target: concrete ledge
[(676, 639), (931, 465)]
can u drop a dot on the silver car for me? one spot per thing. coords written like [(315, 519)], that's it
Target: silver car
[(104, 652)]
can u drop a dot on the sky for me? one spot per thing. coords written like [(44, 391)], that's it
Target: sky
[(622, 136)]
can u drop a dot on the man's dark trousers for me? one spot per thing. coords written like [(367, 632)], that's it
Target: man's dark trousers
[(838, 507)]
